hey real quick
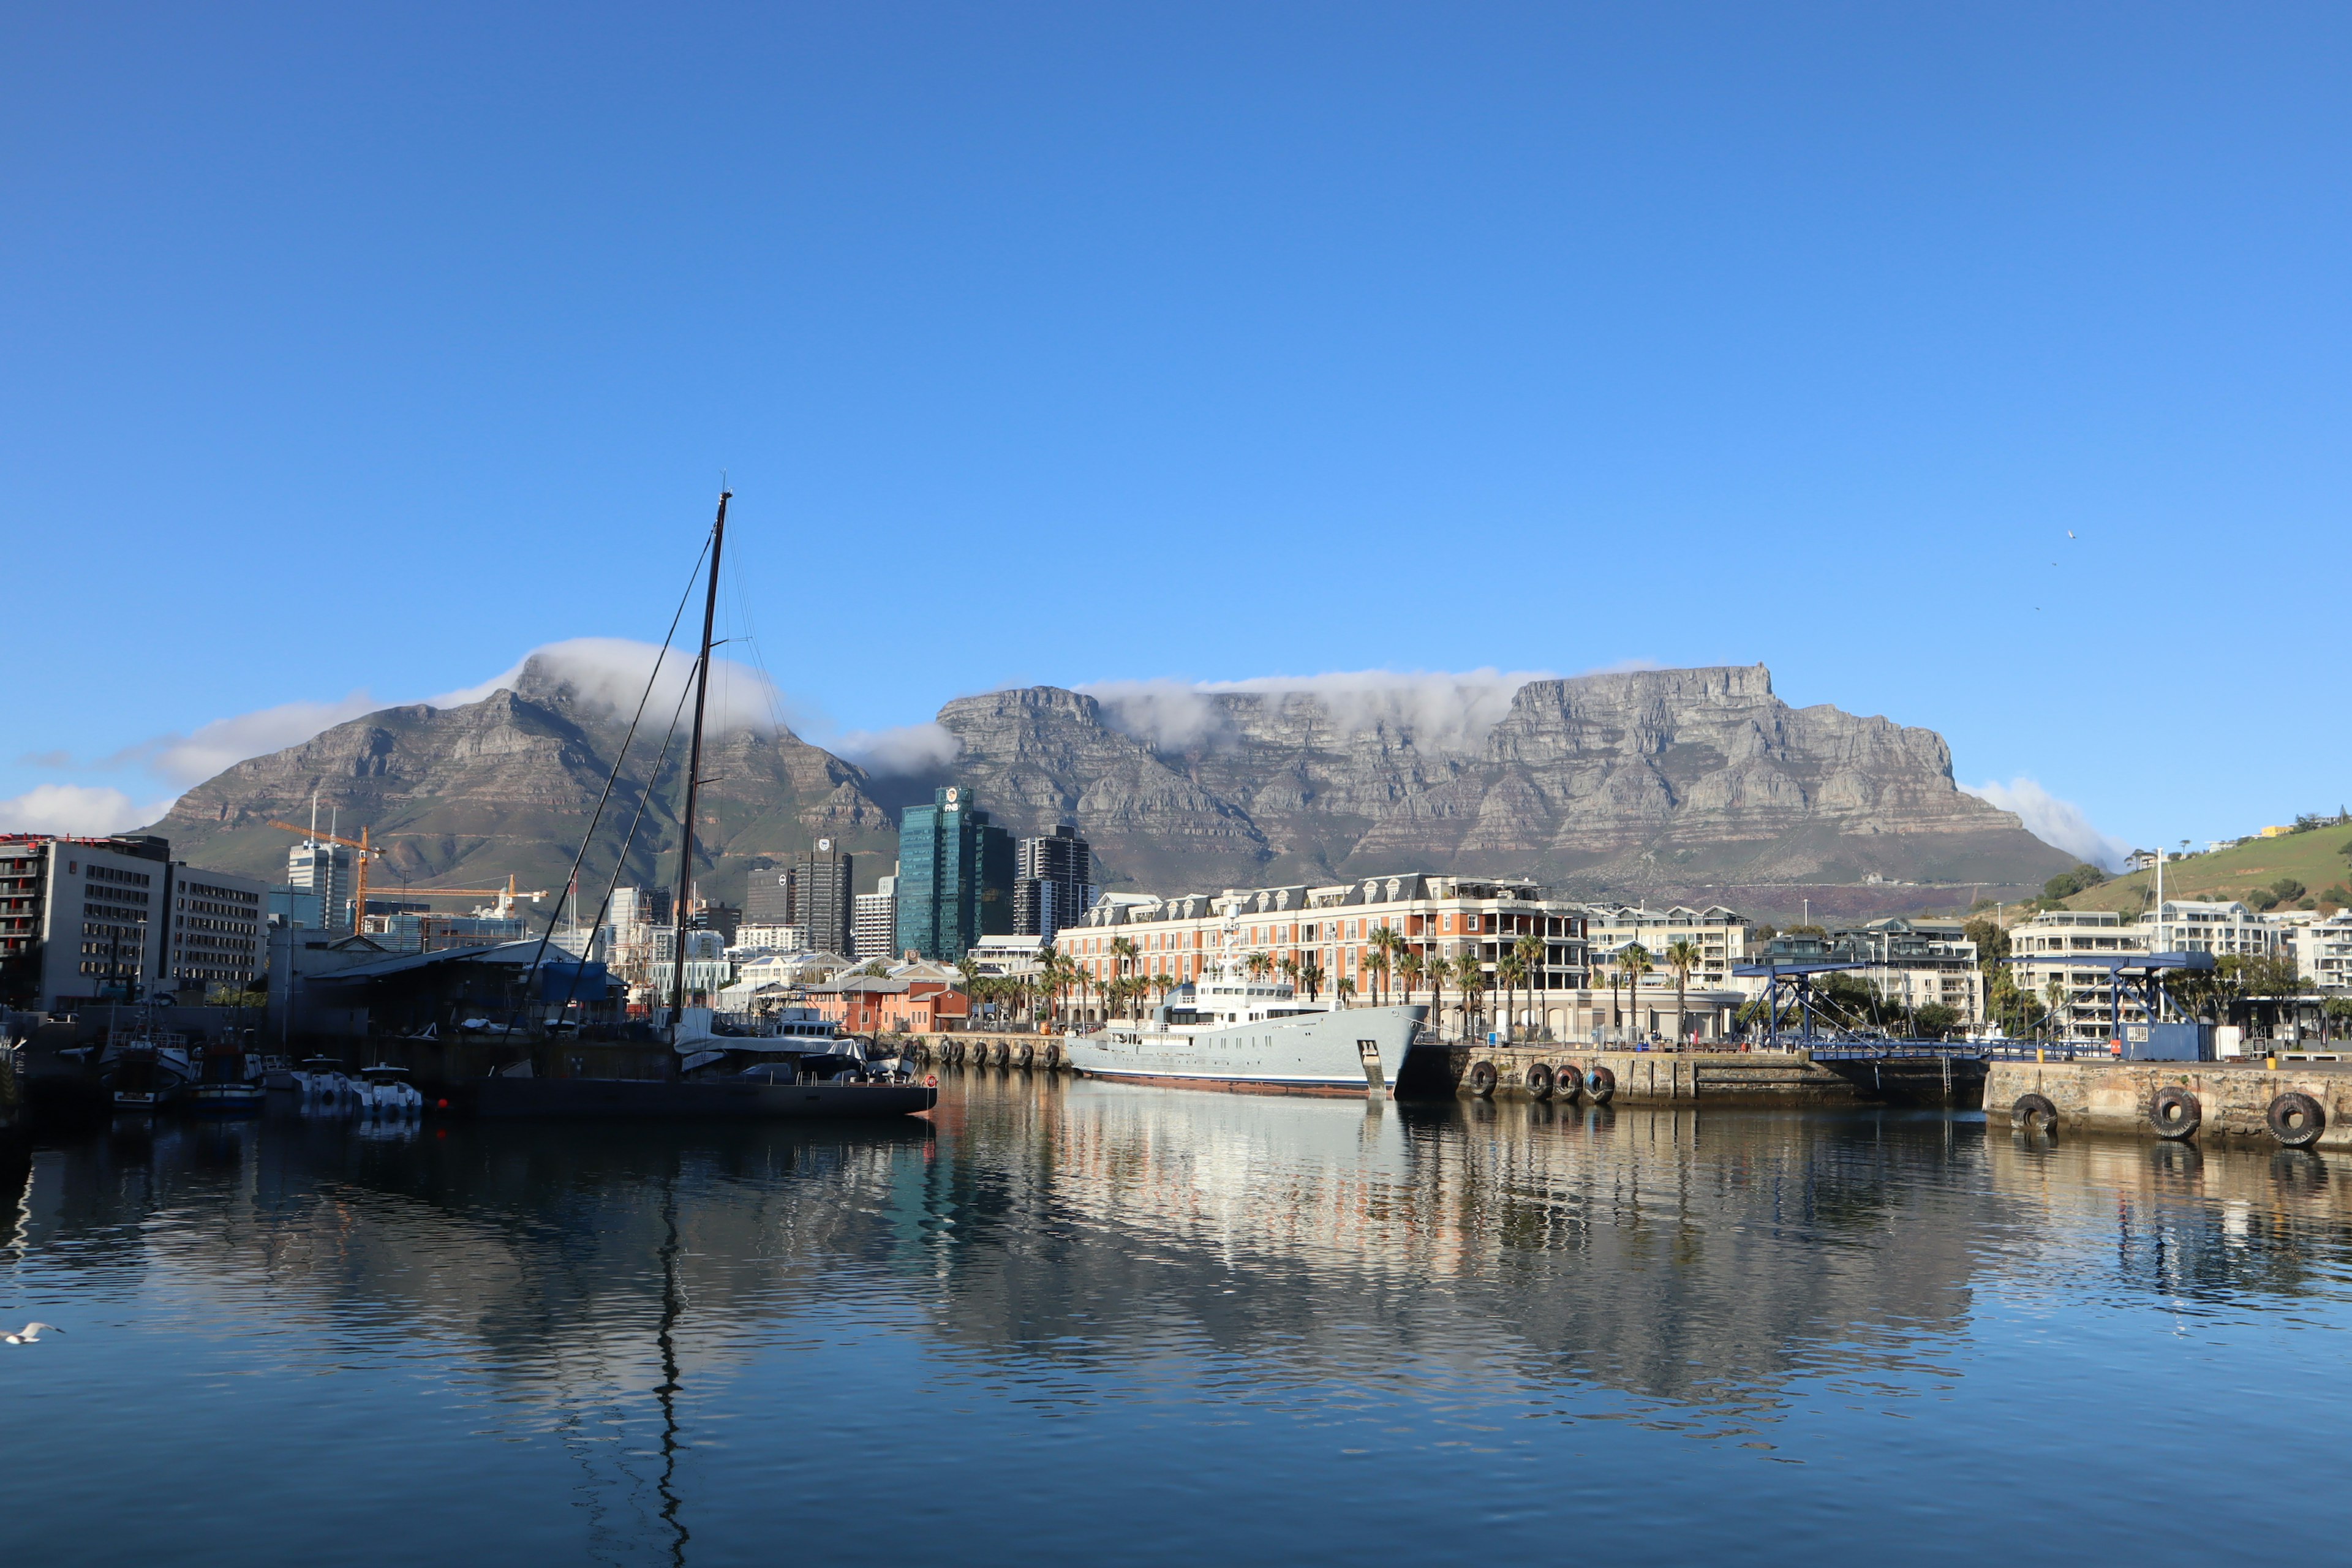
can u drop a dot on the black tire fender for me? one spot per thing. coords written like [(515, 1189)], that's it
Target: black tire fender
[(1600, 1084), (1539, 1081), (1481, 1079), (2174, 1113), (1028, 1055), (2034, 1113), (2296, 1120), (1567, 1082)]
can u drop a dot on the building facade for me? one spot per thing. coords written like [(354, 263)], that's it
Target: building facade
[(769, 899), (217, 930), (323, 871), (1720, 935), (2196, 925), (1053, 881), (2322, 945), (955, 877), (821, 879), (2038, 953), (1320, 936), (81, 920), (873, 931)]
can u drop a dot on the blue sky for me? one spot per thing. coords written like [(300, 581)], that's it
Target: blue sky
[(360, 350)]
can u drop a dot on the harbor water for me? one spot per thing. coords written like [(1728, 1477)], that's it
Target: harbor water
[(1079, 1321)]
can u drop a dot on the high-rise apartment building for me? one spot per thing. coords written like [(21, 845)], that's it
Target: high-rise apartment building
[(821, 882), (323, 869), (955, 877), (1052, 882), (81, 920), (215, 929), (876, 922)]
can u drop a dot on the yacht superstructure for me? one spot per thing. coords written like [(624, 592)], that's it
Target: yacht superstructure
[(1231, 1028)]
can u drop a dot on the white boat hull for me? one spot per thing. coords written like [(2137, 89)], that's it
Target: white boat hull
[(1349, 1048)]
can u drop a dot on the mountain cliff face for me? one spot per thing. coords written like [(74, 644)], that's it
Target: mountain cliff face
[(461, 796), (1655, 782), (1678, 784)]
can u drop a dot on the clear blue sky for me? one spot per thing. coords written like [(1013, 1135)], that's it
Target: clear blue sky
[(366, 347)]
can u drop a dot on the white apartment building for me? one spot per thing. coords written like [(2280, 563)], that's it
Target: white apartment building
[(771, 939), (2191, 925), (874, 920), (2040, 950), (2322, 946), (1330, 930), (1720, 935)]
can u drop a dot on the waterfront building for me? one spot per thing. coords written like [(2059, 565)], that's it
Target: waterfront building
[(709, 915), (80, 919), (913, 1003), (1324, 935), (771, 939), (1720, 935), (1053, 881), (216, 930), (821, 881), (2038, 953), (955, 877), (873, 926), (707, 969), (1912, 964)]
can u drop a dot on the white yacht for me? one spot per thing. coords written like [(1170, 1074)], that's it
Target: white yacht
[(1224, 1029)]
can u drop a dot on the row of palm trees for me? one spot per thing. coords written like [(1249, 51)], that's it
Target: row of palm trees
[(1047, 992)]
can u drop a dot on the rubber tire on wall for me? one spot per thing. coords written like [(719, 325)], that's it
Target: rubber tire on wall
[(1053, 1056), (1600, 1084), (1028, 1054), (1481, 1079), (1539, 1081), (1567, 1082), (2315, 1120), (2170, 1097), (2033, 1112)]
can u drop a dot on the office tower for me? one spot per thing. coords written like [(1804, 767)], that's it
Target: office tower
[(955, 877), (1052, 882)]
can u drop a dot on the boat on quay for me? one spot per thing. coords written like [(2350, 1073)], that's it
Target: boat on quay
[(1227, 1030)]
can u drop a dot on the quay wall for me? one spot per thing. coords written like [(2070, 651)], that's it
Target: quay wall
[(2116, 1096), (1793, 1078)]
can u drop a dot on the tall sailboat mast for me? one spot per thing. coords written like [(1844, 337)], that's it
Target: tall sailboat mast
[(694, 772)]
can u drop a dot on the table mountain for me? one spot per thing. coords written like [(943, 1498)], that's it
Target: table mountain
[(1662, 784)]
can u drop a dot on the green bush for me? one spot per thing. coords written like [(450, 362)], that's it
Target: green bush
[(2066, 884)]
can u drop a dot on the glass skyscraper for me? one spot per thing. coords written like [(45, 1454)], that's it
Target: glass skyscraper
[(955, 877)]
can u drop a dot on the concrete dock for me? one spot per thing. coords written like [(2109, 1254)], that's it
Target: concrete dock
[(2225, 1099)]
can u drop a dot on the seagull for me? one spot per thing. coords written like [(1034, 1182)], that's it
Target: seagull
[(29, 1334), (2070, 533)]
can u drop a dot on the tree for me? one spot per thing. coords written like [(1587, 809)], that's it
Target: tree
[(2288, 889), (1530, 949), (1632, 963), (1510, 970), (2066, 884), (1311, 974), (1470, 979), (1346, 992), (1408, 968), (2334, 1014), (1259, 965), (2054, 996), (1935, 1021), (1387, 946), (1122, 950), (1683, 956)]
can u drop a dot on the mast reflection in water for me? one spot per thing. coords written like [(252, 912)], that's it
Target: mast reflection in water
[(1142, 1323)]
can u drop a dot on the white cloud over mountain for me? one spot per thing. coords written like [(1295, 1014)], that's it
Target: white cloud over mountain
[(2054, 820)]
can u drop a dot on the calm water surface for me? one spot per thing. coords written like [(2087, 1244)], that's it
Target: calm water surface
[(1155, 1325)]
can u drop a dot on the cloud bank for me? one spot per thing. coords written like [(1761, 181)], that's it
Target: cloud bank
[(75, 811), (1442, 710), (908, 748), (2054, 821), (609, 674)]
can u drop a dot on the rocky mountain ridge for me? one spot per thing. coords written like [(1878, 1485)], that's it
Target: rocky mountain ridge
[(1655, 783)]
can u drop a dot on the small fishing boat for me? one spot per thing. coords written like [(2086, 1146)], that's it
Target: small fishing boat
[(228, 1084), (144, 1069), (384, 1091)]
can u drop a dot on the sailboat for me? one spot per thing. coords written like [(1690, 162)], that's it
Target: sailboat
[(706, 1075)]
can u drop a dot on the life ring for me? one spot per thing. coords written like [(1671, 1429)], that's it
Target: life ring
[(1539, 1081), (2296, 1120), (2034, 1113), (1567, 1082), (1482, 1078), (1028, 1054), (931, 1080), (1600, 1084), (2174, 1113)]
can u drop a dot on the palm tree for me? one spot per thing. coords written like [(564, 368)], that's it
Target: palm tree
[(1122, 949), (1408, 970), (1530, 950), (1682, 956), (1470, 978), (1376, 965), (1163, 983), (1510, 970), (2054, 993), (1387, 947), (1632, 963), (1259, 965), (1346, 991), (1311, 974), (1289, 969)]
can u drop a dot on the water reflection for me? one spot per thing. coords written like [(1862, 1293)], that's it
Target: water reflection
[(619, 1295)]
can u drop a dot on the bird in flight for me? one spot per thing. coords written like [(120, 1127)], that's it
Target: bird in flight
[(29, 1334), (2070, 533)]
